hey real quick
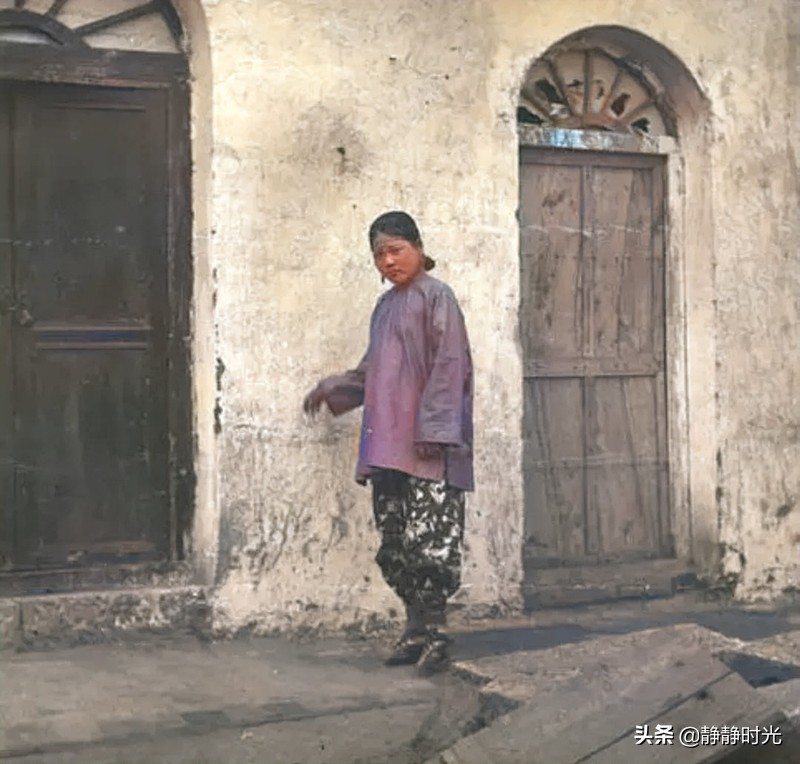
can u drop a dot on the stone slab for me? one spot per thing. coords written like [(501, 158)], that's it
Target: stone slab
[(521, 676), (596, 723), (595, 692), (786, 696), (781, 648)]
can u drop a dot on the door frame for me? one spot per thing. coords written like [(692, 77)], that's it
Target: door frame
[(170, 73), (675, 306)]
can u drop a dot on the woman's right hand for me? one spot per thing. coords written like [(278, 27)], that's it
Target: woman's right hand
[(342, 393), (314, 400)]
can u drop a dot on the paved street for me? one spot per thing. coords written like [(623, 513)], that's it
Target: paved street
[(178, 700), (254, 700)]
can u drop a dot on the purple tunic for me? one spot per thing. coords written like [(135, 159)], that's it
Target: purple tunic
[(416, 385)]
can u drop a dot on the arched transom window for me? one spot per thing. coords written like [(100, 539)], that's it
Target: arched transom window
[(151, 26), (619, 96)]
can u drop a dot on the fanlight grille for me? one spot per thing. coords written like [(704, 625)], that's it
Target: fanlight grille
[(619, 97), (151, 26)]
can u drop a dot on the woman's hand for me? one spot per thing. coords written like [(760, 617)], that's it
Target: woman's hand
[(314, 400)]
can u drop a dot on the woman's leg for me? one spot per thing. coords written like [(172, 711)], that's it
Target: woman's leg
[(434, 540), (434, 536), (388, 505), (421, 523), (389, 508)]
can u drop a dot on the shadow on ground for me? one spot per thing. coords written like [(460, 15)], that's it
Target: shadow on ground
[(733, 623)]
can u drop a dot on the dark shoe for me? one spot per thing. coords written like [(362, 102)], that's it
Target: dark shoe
[(434, 656), (407, 651)]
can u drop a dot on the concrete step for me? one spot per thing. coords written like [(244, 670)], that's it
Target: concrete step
[(43, 621), (568, 586)]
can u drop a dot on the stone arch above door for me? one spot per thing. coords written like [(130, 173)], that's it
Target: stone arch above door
[(633, 78), (134, 25), (620, 96)]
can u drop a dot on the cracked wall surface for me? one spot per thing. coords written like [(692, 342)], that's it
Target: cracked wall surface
[(310, 118)]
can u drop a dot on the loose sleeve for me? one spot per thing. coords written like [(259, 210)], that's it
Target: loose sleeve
[(345, 392), (440, 418)]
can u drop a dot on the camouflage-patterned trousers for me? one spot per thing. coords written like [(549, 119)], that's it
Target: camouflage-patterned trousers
[(421, 523)]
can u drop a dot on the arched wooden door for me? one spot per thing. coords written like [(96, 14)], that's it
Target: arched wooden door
[(592, 324), (95, 470)]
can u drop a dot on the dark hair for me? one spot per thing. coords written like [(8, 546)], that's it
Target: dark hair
[(401, 224)]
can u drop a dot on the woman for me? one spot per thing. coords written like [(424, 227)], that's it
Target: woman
[(416, 385)]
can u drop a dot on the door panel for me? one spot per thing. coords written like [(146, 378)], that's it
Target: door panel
[(554, 471), (625, 311), (592, 315), (90, 286), (552, 328), (622, 465), (90, 189)]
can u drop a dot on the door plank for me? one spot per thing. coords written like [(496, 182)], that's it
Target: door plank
[(551, 241), (553, 469), (620, 250), (624, 494)]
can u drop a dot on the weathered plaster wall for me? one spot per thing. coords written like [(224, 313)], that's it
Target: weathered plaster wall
[(325, 114), (757, 182)]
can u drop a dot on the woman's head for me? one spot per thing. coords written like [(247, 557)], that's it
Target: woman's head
[(396, 245)]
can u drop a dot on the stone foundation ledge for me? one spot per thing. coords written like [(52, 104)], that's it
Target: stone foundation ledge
[(36, 622)]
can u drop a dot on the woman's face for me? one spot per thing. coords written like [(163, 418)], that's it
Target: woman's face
[(397, 259)]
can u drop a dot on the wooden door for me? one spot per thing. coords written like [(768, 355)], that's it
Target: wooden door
[(592, 327), (83, 325)]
